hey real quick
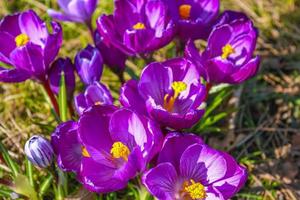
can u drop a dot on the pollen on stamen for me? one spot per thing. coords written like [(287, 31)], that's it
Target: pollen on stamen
[(185, 11), (120, 150), (194, 189), (98, 103), (84, 152), (227, 50), (22, 39), (179, 86), (139, 26)]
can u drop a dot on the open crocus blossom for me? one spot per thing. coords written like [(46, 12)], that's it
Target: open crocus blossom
[(58, 67), (228, 57), (74, 10), (27, 46), (194, 18), (118, 143), (67, 147), (194, 172), (137, 27), (89, 64), (170, 92), (95, 94), (112, 57)]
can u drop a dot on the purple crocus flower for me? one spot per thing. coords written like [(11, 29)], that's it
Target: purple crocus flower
[(74, 10), (194, 18), (60, 66), (39, 151), (137, 27), (67, 147), (193, 171), (119, 144), (169, 92), (112, 57), (228, 57), (89, 64), (27, 46), (95, 94)]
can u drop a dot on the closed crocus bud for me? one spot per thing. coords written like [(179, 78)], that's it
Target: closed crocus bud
[(39, 151), (89, 64), (74, 10), (60, 66), (112, 57)]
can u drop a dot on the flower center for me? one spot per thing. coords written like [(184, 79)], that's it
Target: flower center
[(84, 152), (178, 87), (195, 190), (98, 103), (120, 150), (139, 26), (185, 11), (227, 50), (22, 39)]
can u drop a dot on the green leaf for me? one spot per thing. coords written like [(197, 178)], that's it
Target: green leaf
[(29, 172), (22, 186), (45, 185), (9, 162), (62, 99)]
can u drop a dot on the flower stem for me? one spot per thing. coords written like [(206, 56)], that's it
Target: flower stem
[(52, 97), (208, 88), (90, 27)]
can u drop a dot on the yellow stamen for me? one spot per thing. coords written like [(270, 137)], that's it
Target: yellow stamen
[(84, 152), (178, 87), (227, 51), (139, 26), (185, 11), (194, 190), (120, 150), (22, 40)]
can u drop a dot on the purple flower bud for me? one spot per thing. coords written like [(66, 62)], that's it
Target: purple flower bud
[(89, 65), (39, 151), (59, 66), (112, 57), (74, 10)]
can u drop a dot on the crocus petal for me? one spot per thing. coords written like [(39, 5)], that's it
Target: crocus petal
[(7, 46), (192, 53), (130, 97), (34, 27), (100, 178), (93, 130), (135, 132), (13, 75), (30, 58), (98, 93), (67, 147), (173, 120), (10, 25), (155, 81), (245, 72), (89, 64), (202, 163), (80, 103), (234, 180), (218, 70), (161, 181), (61, 16), (179, 142)]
